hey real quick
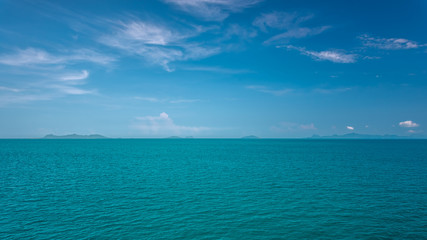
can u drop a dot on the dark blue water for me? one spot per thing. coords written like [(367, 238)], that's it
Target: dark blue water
[(213, 189)]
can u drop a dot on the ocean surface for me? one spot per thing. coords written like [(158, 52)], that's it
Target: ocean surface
[(213, 189)]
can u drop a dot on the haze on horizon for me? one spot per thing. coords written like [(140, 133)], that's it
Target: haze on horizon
[(213, 68)]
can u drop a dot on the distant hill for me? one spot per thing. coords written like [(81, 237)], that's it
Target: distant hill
[(362, 136), (250, 137), (74, 136)]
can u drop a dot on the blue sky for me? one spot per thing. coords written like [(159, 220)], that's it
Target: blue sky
[(213, 68)]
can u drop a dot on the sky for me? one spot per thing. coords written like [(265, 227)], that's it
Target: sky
[(213, 68)]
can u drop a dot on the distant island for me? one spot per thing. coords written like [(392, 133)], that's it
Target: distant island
[(364, 136), (250, 137), (74, 136), (174, 137)]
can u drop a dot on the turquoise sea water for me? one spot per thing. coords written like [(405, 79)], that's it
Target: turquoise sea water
[(213, 189)]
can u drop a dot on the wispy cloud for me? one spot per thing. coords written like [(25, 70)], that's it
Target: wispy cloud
[(10, 99), (408, 124), (45, 87), (67, 82), (66, 89), (290, 22), (157, 43), (215, 69), (280, 20), (389, 43), (9, 89), (29, 56), (212, 10), (336, 56), (164, 125), (34, 56), (76, 77), (264, 89), (296, 33)]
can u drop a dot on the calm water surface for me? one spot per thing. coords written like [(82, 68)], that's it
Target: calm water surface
[(213, 189)]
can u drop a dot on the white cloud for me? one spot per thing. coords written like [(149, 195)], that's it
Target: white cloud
[(76, 77), (350, 128), (47, 87), (264, 89), (8, 89), (149, 33), (408, 124), (29, 56), (280, 20), (336, 56), (23, 98), (296, 33), (70, 90), (33, 56), (333, 56), (164, 125), (389, 43), (212, 10), (158, 44), (88, 55), (291, 22), (216, 69), (66, 83)]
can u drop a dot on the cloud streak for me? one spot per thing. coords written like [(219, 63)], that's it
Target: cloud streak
[(216, 69), (288, 22), (280, 20), (9, 89), (34, 56), (212, 10), (47, 87), (296, 33), (76, 77), (389, 43), (336, 56)]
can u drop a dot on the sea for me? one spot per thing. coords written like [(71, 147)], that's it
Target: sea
[(213, 189)]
